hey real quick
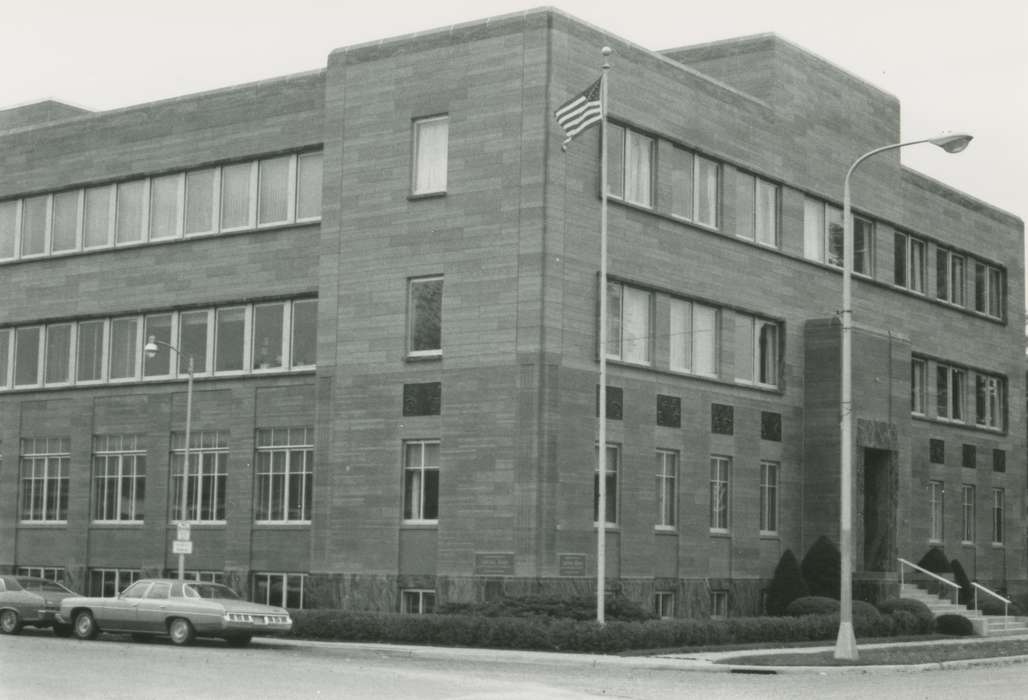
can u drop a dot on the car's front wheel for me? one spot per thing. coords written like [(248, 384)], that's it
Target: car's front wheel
[(61, 630), (85, 625), (181, 631), (10, 623)]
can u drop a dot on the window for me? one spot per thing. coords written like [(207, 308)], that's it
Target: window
[(285, 474), (997, 516), (949, 276), (667, 494), (630, 165), (612, 460), (27, 361), (108, 583), (165, 207), (989, 401), (664, 604), (421, 481), (693, 338), (195, 575), (628, 323), (208, 469), (65, 236), (917, 386), (988, 290), (44, 479), (5, 357), (949, 396), (58, 353), (431, 146), (8, 229), (823, 236), (769, 498), (268, 336), (283, 590), (694, 187), (425, 310), (305, 333), (719, 604), (229, 344), (98, 216), (130, 215), (757, 218), (936, 494), (909, 262), (967, 513), (159, 327), (308, 186), (274, 190), (236, 196), (756, 350), (416, 601), (193, 336), (90, 351), (119, 478), (34, 214), (50, 573), (125, 348), (719, 473), (201, 203)]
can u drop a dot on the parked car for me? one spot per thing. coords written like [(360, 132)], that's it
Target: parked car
[(181, 610), (33, 602)]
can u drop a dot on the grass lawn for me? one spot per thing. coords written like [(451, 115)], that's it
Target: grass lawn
[(910, 653)]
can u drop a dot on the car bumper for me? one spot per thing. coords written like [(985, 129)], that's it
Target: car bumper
[(240, 624)]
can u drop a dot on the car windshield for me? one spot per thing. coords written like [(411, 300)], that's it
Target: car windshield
[(209, 590)]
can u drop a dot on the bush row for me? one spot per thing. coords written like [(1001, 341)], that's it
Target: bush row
[(552, 634)]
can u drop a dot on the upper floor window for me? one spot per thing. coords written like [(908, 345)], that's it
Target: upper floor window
[(917, 386), (909, 262), (611, 466), (628, 323), (431, 146), (719, 475), (768, 497), (421, 481), (756, 350), (967, 513), (285, 474), (425, 316), (44, 479), (119, 478), (998, 511), (988, 290), (823, 236), (989, 401), (667, 492), (950, 388), (949, 276), (693, 337), (936, 493), (757, 218), (694, 187), (630, 165), (207, 477)]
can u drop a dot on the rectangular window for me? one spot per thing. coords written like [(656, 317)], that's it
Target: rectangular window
[(693, 338), (281, 590), (989, 401), (90, 351), (236, 196), (719, 604), (431, 146), (667, 493), (159, 327), (285, 474), (65, 235), (109, 583), (125, 348), (813, 229), (308, 186), (268, 336), (917, 386), (863, 246), (936, 494), (273, 191), (706, 202), (44, 479), (5, 357), (949, 392), (98, 216), (611, 468), (119, 478), (719, 474), (998, 507), (165, 207), (425, 312), (34, 214), (632, 179), (988, 292), (417, 601), (756, 350), (230, 337), (629, 312), (766, 208), (131, 214), (664, 604), (421, 481), (694, 183), (201, 207), (208, 472), (192, 339), (305, 333), (683, 179), (769, 498), (949, 276), (50, 573), (909, 262), (27, 355), (58, 353), (8, 229), (967, 514), (823, 237)]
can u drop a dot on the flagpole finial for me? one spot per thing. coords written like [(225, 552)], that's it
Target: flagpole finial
[(606, 51)]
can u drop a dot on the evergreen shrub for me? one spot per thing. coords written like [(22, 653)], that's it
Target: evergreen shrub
[(935, 560), (786, 585), (957, 625), (821, 567), (960, 578)]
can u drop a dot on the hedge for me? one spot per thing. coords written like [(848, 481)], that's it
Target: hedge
[(551, 634), (954, 624)]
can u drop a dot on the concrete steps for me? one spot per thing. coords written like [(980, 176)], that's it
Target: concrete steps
[(984, 625)]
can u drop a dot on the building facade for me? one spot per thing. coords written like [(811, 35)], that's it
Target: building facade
[(386, 276)]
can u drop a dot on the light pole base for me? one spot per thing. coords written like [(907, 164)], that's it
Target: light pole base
[(846, 643)]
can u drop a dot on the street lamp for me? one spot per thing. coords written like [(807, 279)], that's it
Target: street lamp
[(846, 643), (151, 349)]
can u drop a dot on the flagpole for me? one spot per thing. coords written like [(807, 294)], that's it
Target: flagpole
[(601, 459)]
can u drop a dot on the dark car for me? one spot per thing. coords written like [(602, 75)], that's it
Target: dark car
[(33, 602), (181, 610)]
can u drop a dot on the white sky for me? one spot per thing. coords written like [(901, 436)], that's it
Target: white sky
[(955, 66)]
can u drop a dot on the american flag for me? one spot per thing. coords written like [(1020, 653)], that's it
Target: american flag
[(580, 112)]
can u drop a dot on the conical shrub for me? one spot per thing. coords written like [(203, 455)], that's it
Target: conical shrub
[(821, 568), (786, 585)]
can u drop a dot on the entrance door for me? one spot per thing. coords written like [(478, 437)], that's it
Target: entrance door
[(879, 509)]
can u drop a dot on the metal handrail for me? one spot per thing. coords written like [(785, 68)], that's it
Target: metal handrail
[(954, 586), (994, 594)]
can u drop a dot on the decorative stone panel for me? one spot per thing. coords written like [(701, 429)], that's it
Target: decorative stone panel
[(937, 451), (669, 411), (999, 460), (615, 401), (771, 426), (722, 419), (970, 457), (422, 399)]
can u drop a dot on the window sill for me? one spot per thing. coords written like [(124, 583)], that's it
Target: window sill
[(665, 530), (43, 524), (281, 524), (415, 196), (114, 524), (434, 357), (722, 534), (419, 525), (769, 535), (199, 524)]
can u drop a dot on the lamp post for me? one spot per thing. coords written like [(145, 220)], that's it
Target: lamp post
[(151, 349), (846, 644)]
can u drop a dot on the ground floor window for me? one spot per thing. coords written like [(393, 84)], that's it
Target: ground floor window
[(664, 604), (208, 472), (51, 573), (417, 601), (285, 473), (108, 583), (194, 575), (284, 590), (44, 479), (719, 604)]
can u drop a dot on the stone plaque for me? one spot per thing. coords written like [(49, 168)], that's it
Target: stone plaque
[(494, 564), (615, 398), (669, 411), (571, 565), (422, 399), (722, 419)]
